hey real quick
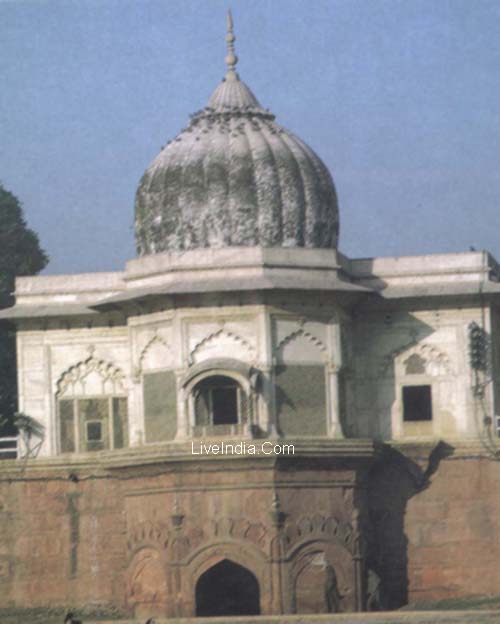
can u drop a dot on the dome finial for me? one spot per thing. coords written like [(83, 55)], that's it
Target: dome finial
[(231, 58)]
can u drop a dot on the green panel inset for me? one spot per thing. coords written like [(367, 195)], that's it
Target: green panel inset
[(120, 422), (301, 400), (67, 426), (160, 406)]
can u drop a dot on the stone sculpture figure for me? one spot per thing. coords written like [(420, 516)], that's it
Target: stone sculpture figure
[(373, 602), (332, 595)]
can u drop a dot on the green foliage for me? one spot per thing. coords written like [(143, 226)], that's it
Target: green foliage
[(478, 345), (8, 379), (20, 254)]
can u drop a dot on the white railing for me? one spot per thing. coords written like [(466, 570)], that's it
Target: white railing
[(9, 446)]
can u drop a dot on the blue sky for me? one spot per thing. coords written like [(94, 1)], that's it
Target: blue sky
[(400, 98)]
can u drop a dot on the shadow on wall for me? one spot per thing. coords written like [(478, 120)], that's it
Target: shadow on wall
[(374, 344), (391, 484)]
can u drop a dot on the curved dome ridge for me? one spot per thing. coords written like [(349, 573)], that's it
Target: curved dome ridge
[(268, 188), (244, 198), (191, 194), (293, 204), (234, 177), (308, 179), (232, 93)]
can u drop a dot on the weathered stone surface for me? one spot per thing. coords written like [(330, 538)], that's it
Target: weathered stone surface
[(435, 539), (110, 537), (160, 416), (234, 177), (301, 400)]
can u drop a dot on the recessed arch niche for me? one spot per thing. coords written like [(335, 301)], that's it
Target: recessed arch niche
[(227, 589)]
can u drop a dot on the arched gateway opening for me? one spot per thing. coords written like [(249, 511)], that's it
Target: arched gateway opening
[(227, 589)]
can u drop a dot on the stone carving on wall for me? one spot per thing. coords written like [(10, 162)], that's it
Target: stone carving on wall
[(147, 587), (435, 361), (331, 587), (240, 528), (320, 528), (373, 593), (415, 365), (92, 376), (301, 332), (148, 533), (186, 542), (156, 534), (317, 586), (220, 530), (322, 580), (218, 344)]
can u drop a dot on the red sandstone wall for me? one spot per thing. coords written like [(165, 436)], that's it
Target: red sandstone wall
[(74, 544), (436, 525), (453, 530), (70, 544), (49, 526)]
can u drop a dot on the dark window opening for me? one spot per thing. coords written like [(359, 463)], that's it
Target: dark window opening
[(217, 401), (94, 430), (93, 417), (225, 406), (417, 403), (227, 589)]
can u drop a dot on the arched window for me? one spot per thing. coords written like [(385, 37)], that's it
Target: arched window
[(218, 400), (92, 407)]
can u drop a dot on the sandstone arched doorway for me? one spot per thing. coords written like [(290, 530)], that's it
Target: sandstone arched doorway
[(227, 588)]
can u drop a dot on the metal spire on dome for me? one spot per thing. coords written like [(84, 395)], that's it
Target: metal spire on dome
[(231, 58), (232, 93)]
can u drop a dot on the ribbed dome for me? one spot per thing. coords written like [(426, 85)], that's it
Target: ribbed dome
[(234, 177)]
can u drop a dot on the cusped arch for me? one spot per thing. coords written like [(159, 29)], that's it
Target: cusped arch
[(319, 529), (434, 360), (415, 364), (75, 378), (148, 534), (153, 343), (431, 359), (301, 332), (220, 335)]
